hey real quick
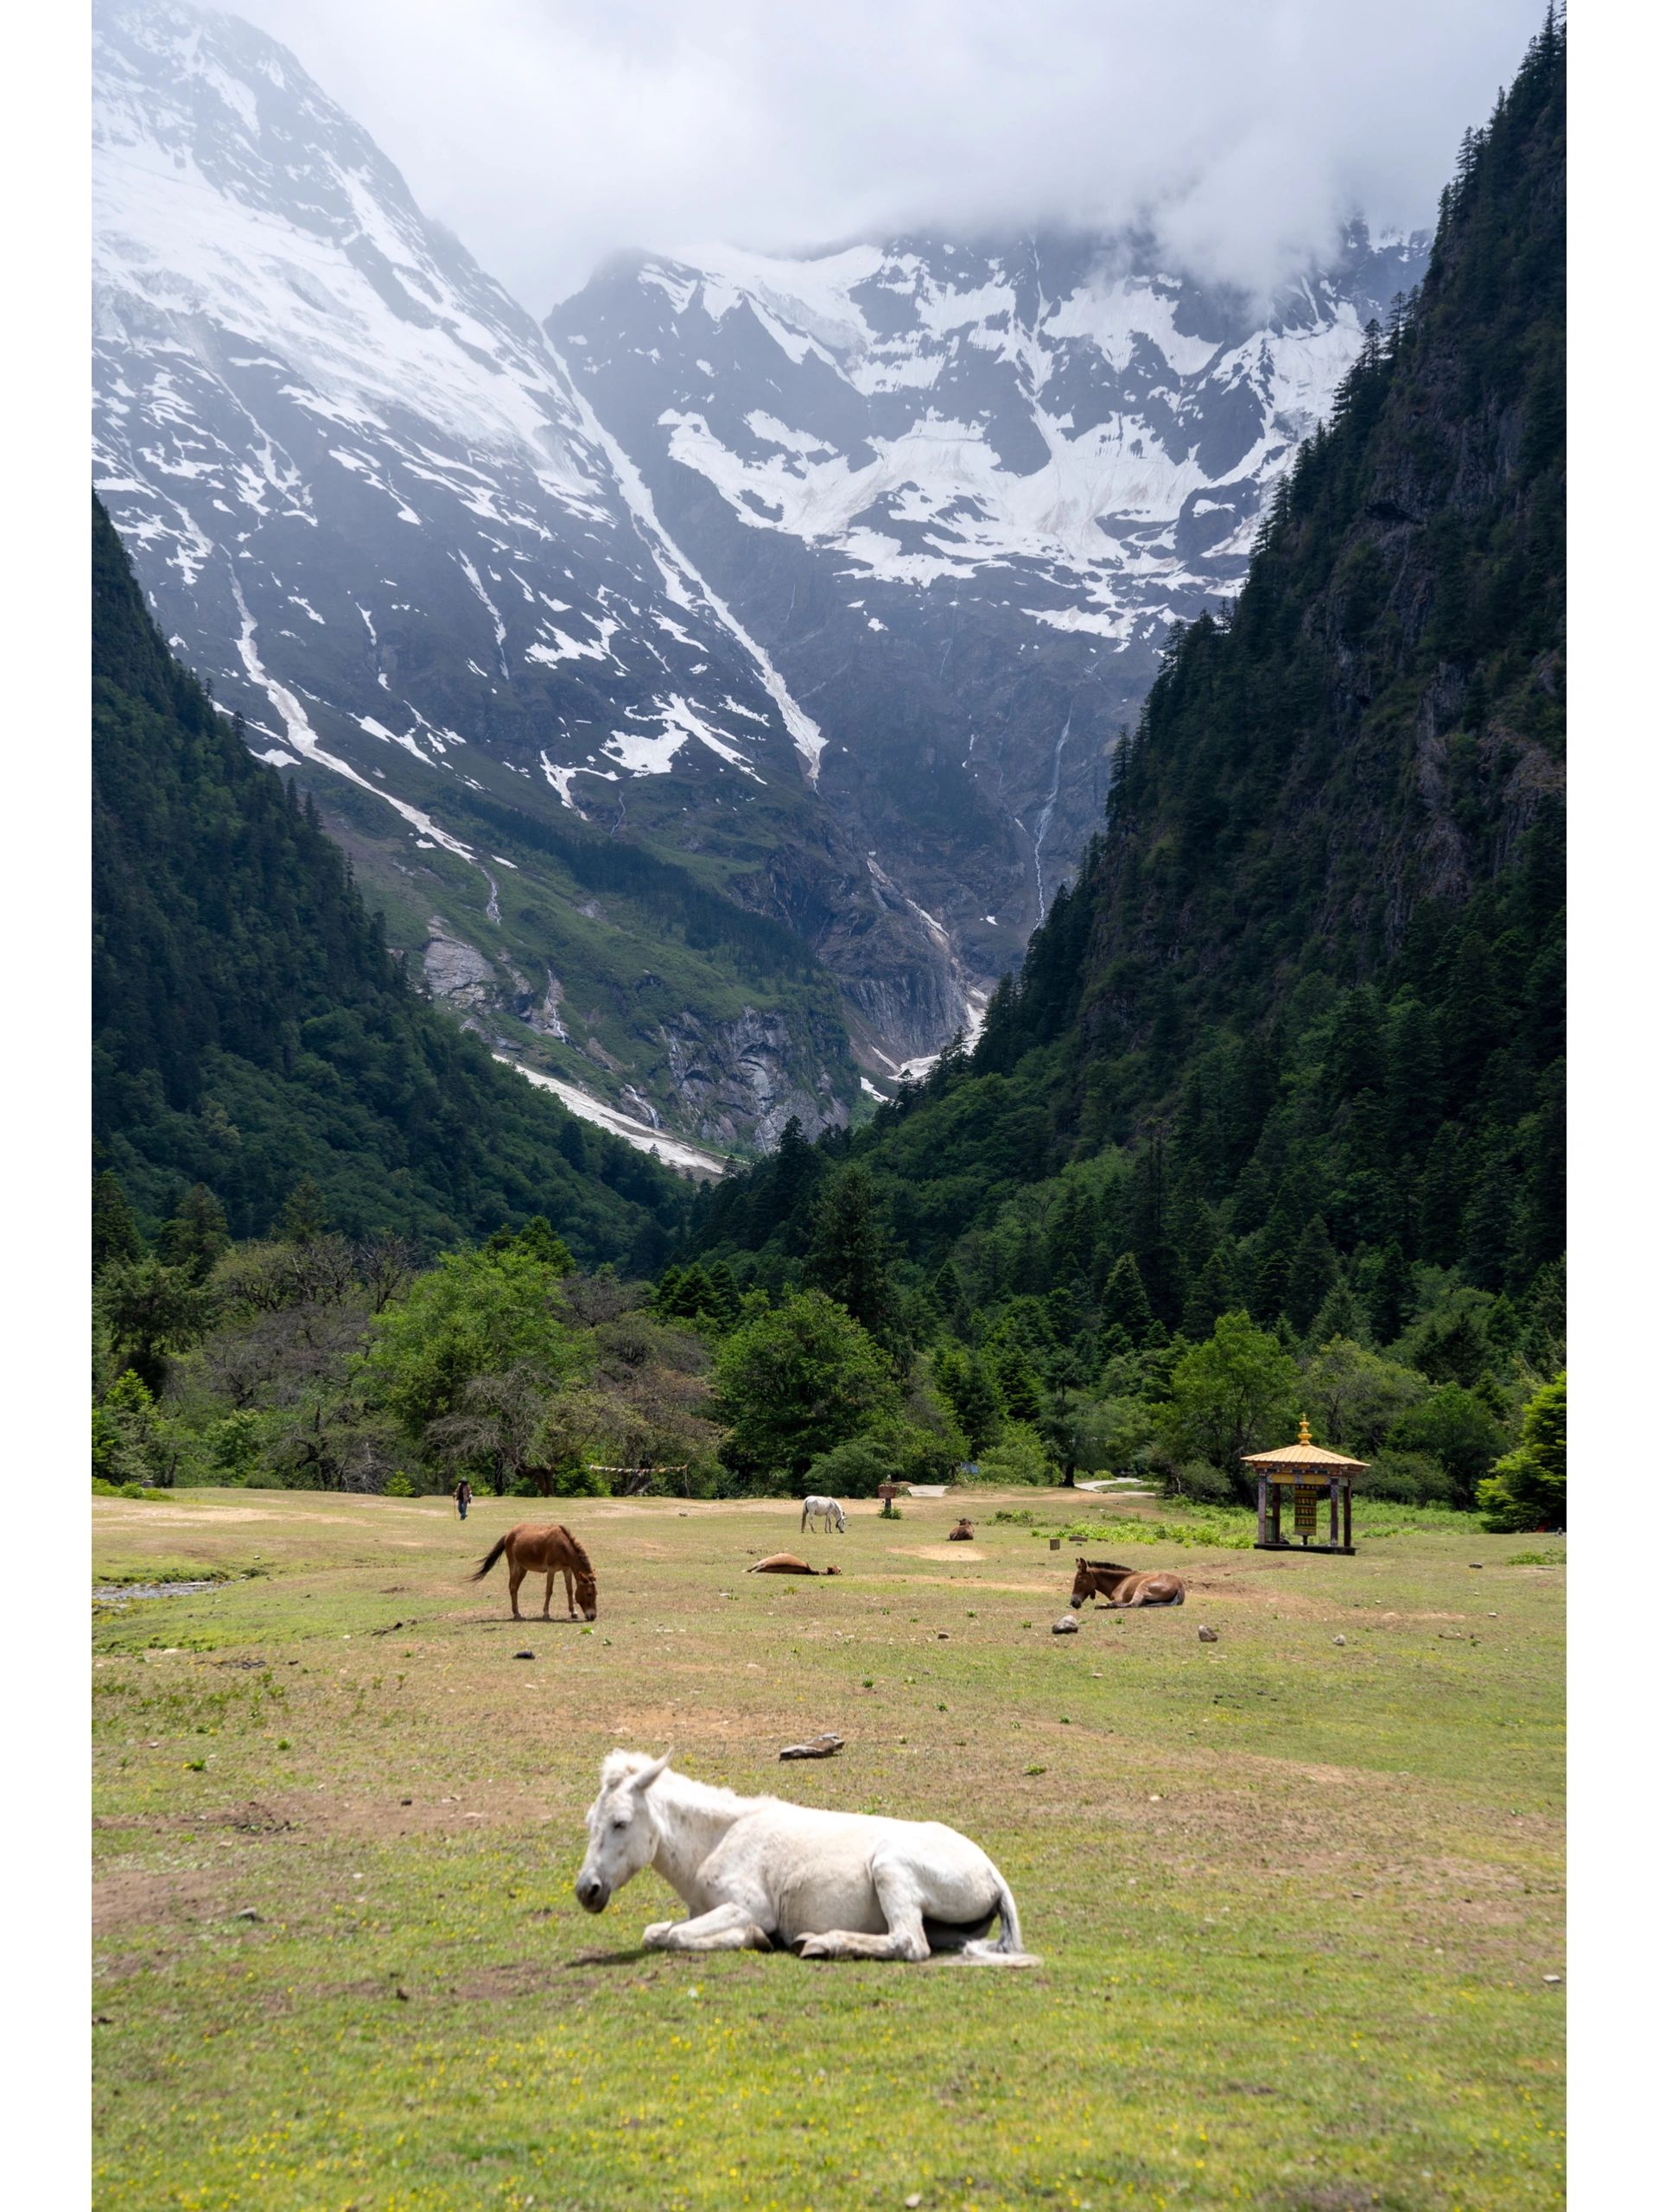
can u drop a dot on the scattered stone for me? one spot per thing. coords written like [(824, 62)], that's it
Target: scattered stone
[(819, 1747), (943, 1635), (401, 1994), (1156, 1798), (1339, 1639), (1477, 1562), (1552, 1978), (911, 2202), (405, 1801), (247, 1913), (1066, 1625), (524, 1654), (102, 2019), (1208, 1636)]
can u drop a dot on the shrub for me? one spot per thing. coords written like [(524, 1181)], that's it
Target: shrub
[(1021, 1456), (1409, 1478), (856, 1469), (399, 1485), (1198, 1480)]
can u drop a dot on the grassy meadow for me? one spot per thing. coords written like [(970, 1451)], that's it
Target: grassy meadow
[(1295, 1900)]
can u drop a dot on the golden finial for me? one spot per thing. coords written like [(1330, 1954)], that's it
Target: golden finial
[(1305, 1437)]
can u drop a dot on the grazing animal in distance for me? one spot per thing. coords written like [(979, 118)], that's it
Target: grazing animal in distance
[(826, 1509), (1126, 1585), (552, 1550), (961, 1533), (756, 1872), (786, 1563)]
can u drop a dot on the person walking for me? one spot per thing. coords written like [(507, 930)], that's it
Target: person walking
[(463, 1496)]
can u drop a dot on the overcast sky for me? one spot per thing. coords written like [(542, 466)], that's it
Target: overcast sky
[(548, 133)]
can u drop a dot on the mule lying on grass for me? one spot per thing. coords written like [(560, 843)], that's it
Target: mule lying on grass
[(786, 1563), (1126, 1585), (755, 1873), (827, 1509), (961, 1533), (552, 1550)]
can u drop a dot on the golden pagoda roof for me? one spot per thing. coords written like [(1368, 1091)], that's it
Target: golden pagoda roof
[(1304, 1452)]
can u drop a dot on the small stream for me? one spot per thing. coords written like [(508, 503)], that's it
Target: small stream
[(117, 1594)]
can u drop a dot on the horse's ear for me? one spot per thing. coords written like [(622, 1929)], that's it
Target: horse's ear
[(647, 1775)]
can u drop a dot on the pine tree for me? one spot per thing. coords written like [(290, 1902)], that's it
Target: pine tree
[(1441, 1197), (1018, 1384), (197, 1235), (1313, 1275), (303, 1214), (1213, 1293), (1487, 1222), (115, 1233), (1124, 1303), (1390, 1298), (848, 1257), (970, 1391), (1355, 1059)]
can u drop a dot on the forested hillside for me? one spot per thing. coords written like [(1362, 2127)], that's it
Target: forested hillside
[(252, 1030), (1292, 1047)]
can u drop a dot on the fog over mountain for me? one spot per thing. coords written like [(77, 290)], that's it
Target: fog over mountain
[(550, 133)]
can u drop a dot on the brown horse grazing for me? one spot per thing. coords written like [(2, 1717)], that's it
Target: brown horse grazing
[(786, 1563), (552, 1550), (961, 1533), (1125, 1585)]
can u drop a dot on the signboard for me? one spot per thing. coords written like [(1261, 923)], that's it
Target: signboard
[(1307, 1508)]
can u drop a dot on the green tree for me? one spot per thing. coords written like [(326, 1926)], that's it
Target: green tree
[(969, 1389), (1390, 1293), (476, 1313), (1313, 1275), (538, 1240), (115, 1233), (1353, 1396), (1527, 1489), (797, 1381), (849, 1257), (198, 1235), (152, 1311), (1124, 1303), (1213, 1293), (1235, 1393), (304, 1214), (1457, 1428)]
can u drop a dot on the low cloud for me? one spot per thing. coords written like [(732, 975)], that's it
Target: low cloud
[(549, 133)]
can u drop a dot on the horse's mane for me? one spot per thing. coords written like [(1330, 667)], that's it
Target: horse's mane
[(1107, 1566), (577, 1553), (620, 1765)]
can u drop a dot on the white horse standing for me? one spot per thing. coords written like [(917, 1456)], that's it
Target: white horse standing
[(754, 1871), (825, 1509)]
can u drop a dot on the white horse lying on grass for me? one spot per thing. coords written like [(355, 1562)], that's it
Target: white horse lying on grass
[(825, 1509), (755, 1873)]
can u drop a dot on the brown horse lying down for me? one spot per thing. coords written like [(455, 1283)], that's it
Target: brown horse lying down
[(786, 1563), (552, 1550), (961, 1533), (1125, 1585)]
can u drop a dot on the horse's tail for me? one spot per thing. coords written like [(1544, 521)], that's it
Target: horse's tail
[(1180, 1599), (500, 1545), (1008, 1949)]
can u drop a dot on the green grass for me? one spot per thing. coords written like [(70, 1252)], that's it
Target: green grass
[(1294, 1902)]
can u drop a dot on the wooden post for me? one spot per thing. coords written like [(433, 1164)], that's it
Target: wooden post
[(1261, 1487), (1348, 1515), (1335, 1487)]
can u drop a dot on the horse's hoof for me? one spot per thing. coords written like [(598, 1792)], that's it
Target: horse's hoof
[(656, 1936), (814, 1947)]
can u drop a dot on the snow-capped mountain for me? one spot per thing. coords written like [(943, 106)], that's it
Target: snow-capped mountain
[(961, 492), (369, 506), (826, 581)]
